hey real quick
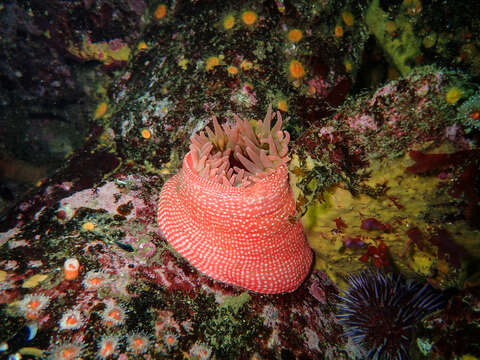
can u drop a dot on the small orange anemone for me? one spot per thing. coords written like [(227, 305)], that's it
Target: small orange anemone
[(348, 18), (232, 70), (453, 95), (228, 22), (142, 45), (101, 110), (295, 35), (249, 17), (282, 105), (146, 134), (246, 65), (296, 69), (212, 62), (338, 31), (88, 226), (160, 11)]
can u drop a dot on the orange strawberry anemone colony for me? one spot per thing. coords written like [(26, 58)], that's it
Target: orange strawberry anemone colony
[(229, 210)]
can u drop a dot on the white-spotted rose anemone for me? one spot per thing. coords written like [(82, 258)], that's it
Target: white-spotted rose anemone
[(230, 210)]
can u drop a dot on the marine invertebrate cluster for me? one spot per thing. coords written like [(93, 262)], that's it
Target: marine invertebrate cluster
[(379, 312), (229, 210), (118, 238), (382, 236)]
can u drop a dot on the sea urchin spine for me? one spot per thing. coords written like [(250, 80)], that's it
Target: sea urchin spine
[(379, 312)]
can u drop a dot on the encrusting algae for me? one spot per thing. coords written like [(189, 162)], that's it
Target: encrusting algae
[(391, 216)]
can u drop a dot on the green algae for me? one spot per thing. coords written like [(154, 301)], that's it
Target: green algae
[(235, 303), (410, 114), (402, 50), (230, 328)]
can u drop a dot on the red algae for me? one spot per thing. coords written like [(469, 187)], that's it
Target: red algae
[(427, 162), (340, 223), (447, 248), (378, 254), (374, 224), (416, 236)]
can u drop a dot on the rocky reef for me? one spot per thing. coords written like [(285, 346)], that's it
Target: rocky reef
[(384, 146), (391, 180)]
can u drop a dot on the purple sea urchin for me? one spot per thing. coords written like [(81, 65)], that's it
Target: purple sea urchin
[(379, 312)]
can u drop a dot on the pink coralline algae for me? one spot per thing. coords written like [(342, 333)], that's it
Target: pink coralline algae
[(363, 122), (147, 249), (378, 254), (230, 210)]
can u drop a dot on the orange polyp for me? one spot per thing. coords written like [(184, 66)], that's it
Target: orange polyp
[(146, 134), (160, 12), (95, 280), (68, 354), (294, 35), (249, 17), (138, 342), (31, 315), (71, 268), (34, 304), (338, 31), (296, 69), (114, 314), (475, 115), (107, 349), (72, 320)]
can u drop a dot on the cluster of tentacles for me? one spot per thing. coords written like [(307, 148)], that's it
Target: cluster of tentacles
[(240, 154)]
